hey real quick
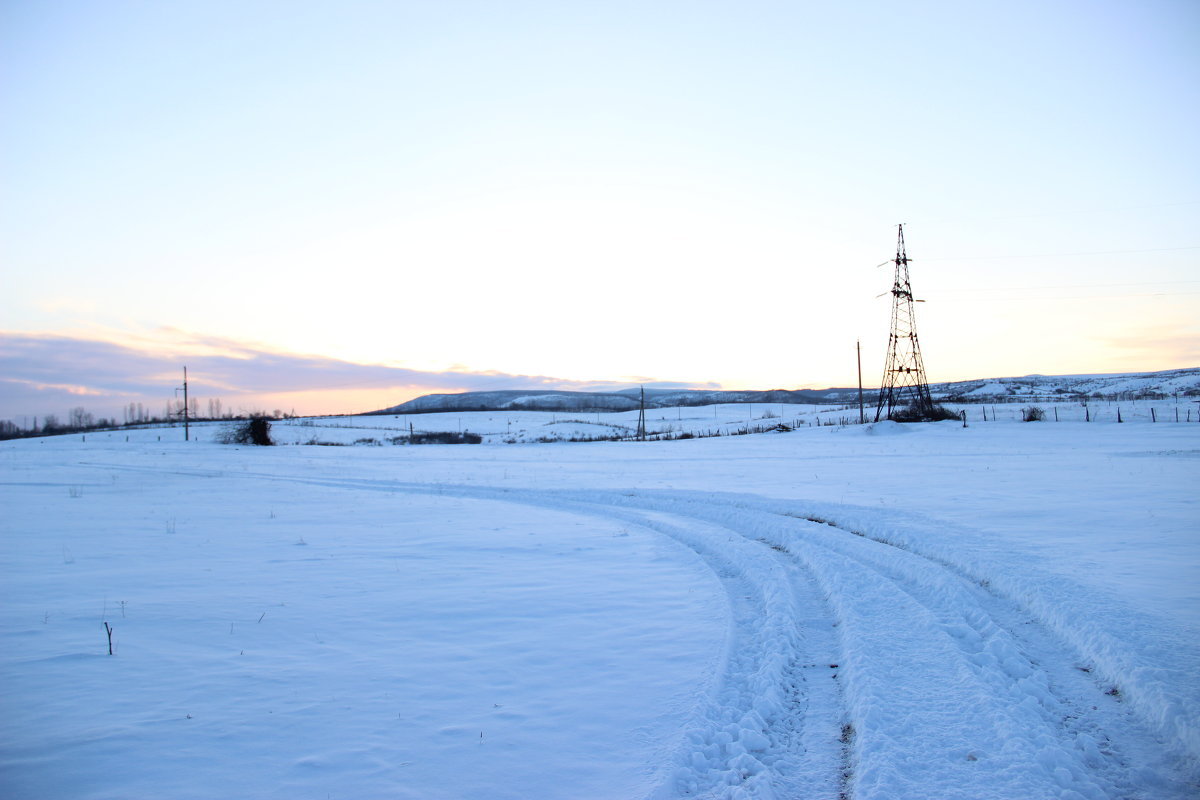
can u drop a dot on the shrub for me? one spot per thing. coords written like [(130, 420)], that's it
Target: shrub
[(915, 413), (439, 437), (256, 430), (1032, 414)]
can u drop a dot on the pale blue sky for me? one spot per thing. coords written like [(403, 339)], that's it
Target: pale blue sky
[(684, 192)]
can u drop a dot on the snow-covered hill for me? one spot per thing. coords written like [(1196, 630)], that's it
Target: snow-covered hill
[(1134, 385), (1184, 382), (625, 400)]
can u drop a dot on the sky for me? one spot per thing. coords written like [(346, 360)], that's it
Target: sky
[(335, 207)]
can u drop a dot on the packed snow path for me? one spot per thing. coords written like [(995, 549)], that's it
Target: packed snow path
[(856, 667)]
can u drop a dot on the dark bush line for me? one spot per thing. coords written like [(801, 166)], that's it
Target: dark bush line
[(439, 437), (914, 413)]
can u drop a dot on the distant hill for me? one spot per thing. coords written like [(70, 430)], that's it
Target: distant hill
[(1185, 382), (553, 400)]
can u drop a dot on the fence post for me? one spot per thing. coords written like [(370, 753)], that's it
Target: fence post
[(1153, 416), (1119, 414)]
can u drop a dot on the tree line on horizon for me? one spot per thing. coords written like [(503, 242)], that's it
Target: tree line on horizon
[(135, 415)]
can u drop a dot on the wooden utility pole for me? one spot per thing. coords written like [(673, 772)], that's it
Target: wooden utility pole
[(858, 350), (186, 437)]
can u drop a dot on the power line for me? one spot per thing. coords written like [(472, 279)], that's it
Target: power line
[(995, 299), (1052, 213), (1070, 286), (1062, 255)]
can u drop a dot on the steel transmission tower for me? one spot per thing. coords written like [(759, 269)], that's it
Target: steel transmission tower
[(641, 428), (904, 382)]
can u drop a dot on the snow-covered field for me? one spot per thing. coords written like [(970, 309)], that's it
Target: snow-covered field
[(729, 419), (1005, 610)]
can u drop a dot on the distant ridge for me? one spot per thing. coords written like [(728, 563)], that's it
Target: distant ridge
[(1184, 382), (625, 400)]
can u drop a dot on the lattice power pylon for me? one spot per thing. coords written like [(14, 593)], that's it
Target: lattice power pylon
[(641, 428), (904, 383)]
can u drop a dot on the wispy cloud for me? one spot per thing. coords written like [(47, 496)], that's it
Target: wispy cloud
[(1157, 344), (44, 373)]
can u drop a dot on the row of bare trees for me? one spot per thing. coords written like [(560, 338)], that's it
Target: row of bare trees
[(135, 414), (80, 419)]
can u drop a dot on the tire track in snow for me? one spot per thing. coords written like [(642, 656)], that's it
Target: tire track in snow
[(1046, 728), (924, 710), (947, 684), (978, 705), (770, 728), (977, 712), (1063, 716)]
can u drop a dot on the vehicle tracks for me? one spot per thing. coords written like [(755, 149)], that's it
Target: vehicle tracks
[(858, 667)]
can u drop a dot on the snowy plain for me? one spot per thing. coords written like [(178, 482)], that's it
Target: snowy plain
[(1003, 610)]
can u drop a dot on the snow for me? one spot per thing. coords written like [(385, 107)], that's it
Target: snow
[(990, 389), (1003, 610), (1109, 386)]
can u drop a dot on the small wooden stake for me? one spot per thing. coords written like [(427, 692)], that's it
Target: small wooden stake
[(108, 630)]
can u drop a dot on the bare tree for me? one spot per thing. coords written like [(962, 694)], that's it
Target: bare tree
[(80, 417)]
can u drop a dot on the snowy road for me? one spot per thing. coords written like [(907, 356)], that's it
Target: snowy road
[(867, 651)]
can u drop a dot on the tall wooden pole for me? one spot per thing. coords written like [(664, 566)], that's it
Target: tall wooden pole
[(858, 350), (186, 437)]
